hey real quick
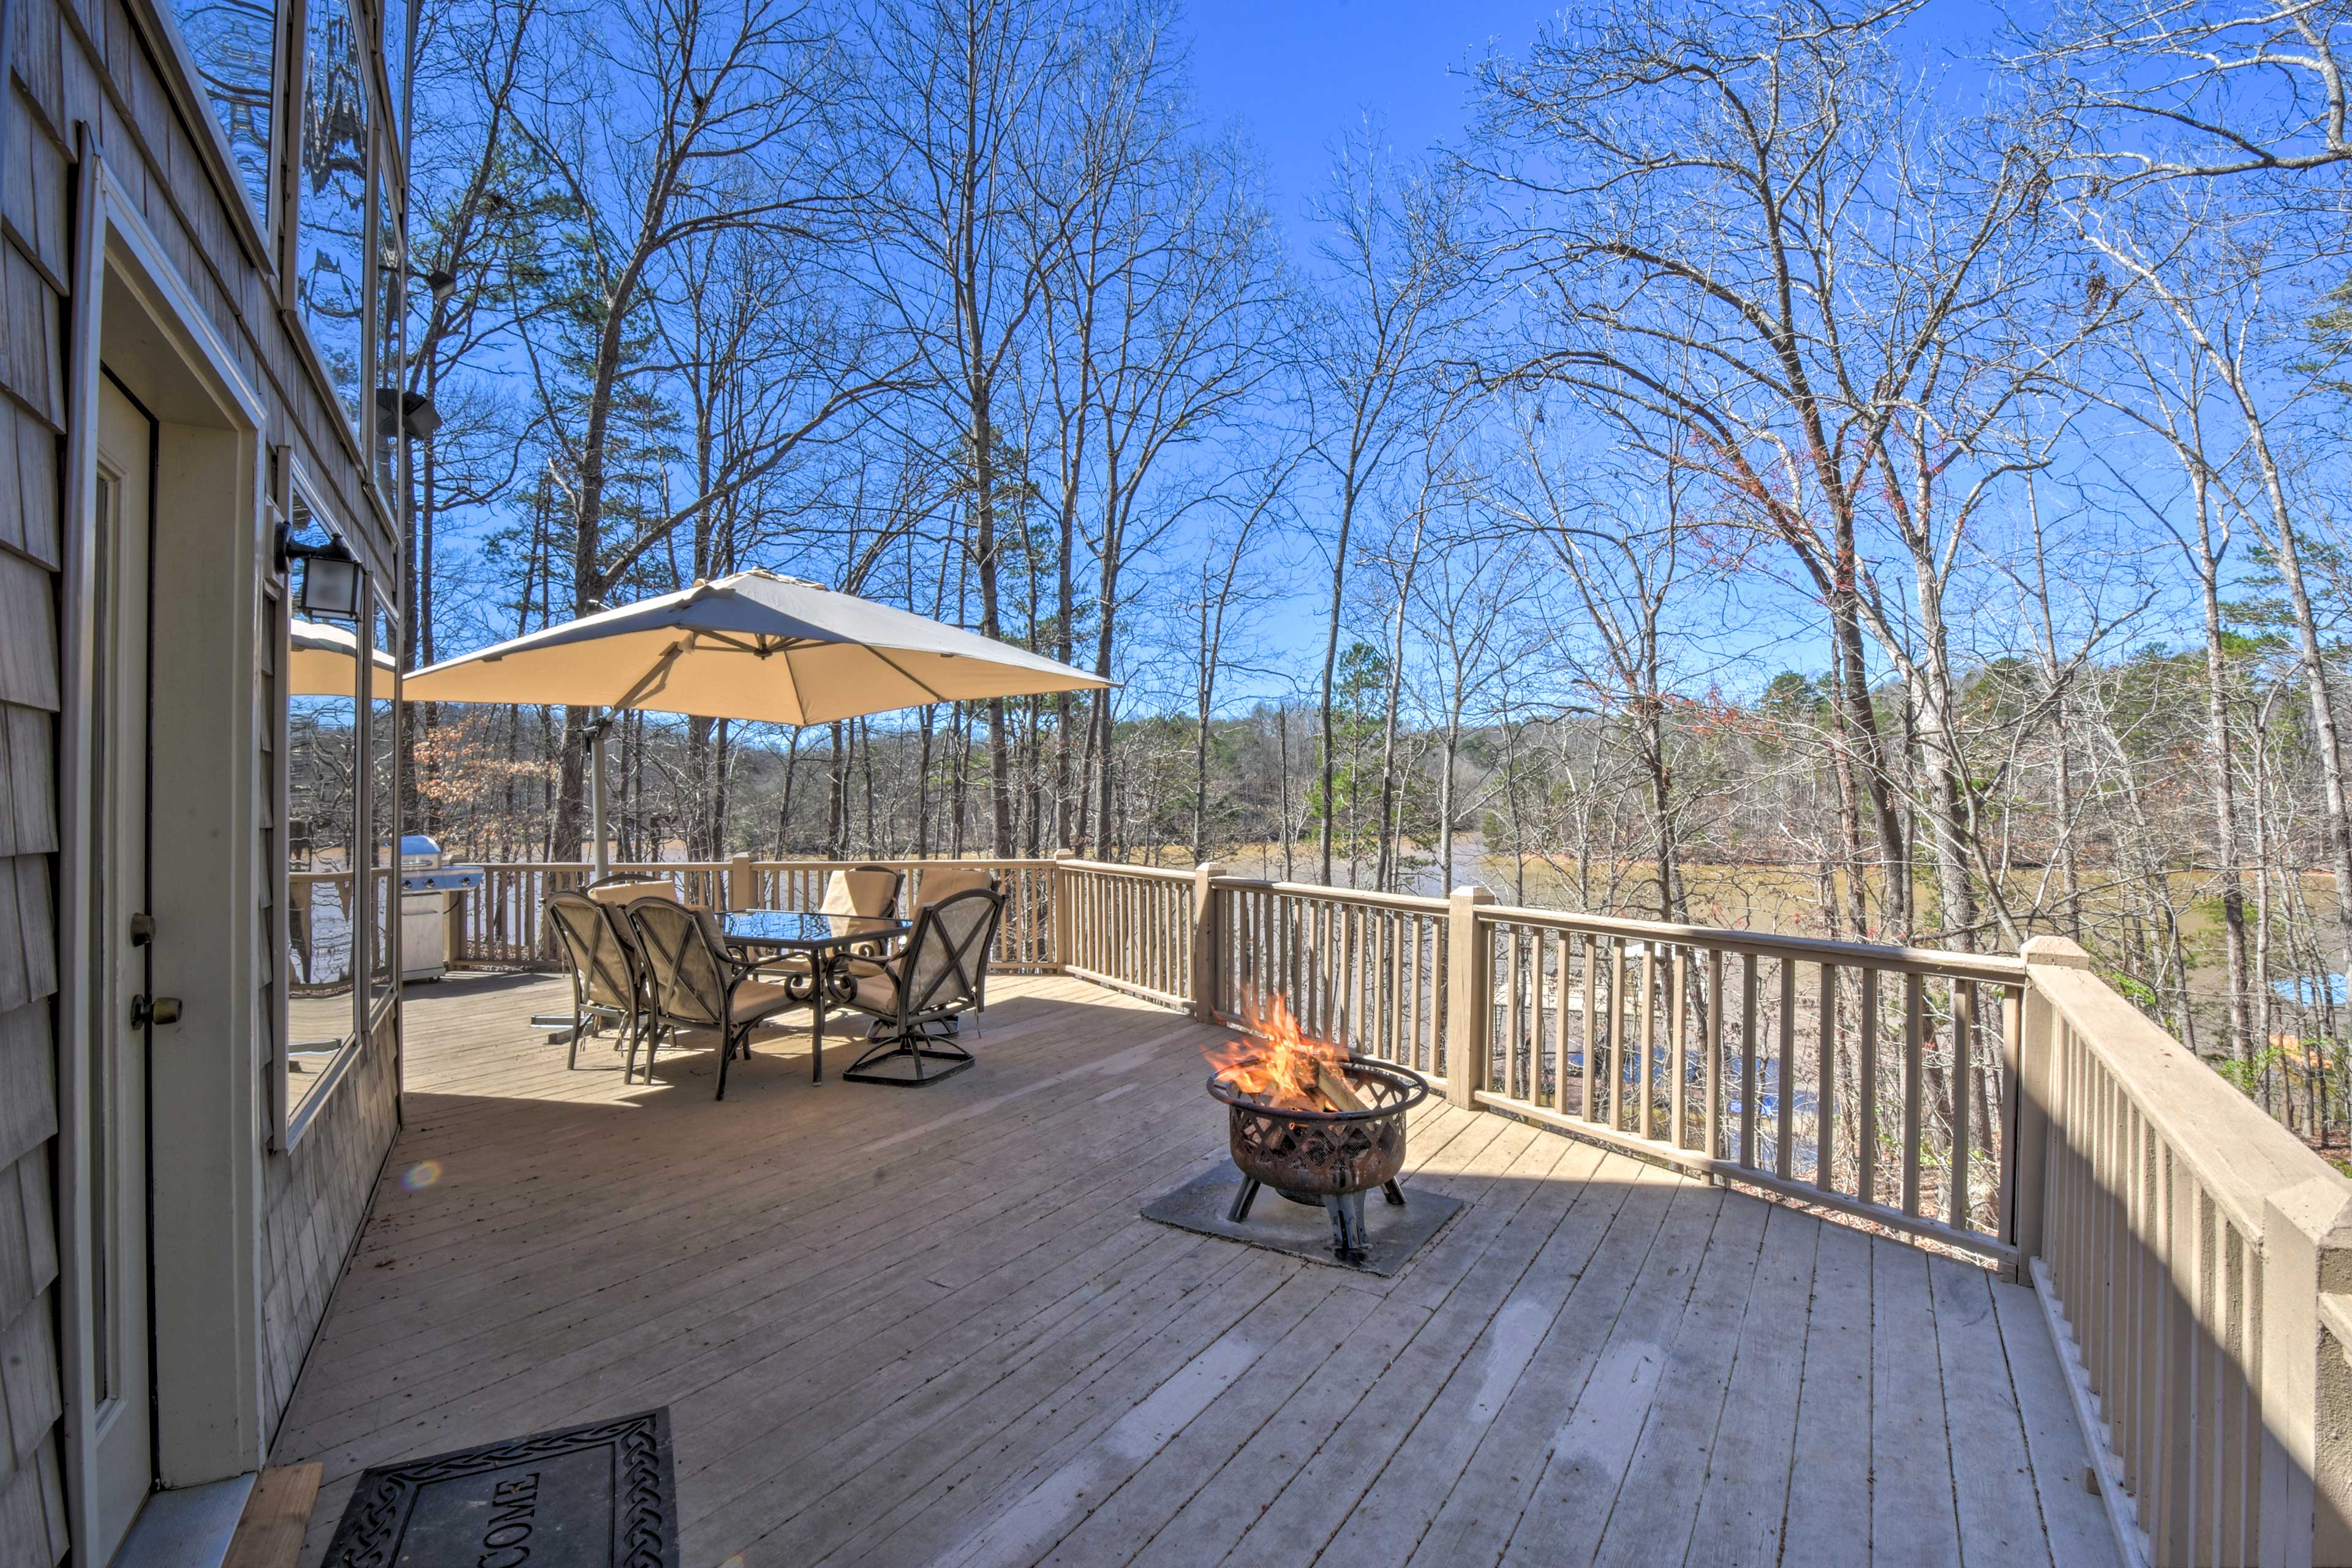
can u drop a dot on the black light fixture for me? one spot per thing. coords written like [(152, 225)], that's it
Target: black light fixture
[(330, 590), (442, 285), (418, 417)]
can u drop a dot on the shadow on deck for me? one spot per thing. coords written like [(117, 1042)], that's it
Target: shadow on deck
[(917, 1327)]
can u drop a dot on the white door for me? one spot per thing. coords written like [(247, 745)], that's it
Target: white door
[(119, 948)]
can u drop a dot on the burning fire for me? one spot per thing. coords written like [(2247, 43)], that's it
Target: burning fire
[(1287, 1070)]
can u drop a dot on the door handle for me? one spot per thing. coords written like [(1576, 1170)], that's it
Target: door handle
[(146, 1011)]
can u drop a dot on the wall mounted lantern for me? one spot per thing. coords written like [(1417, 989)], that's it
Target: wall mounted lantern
[(329, 589)]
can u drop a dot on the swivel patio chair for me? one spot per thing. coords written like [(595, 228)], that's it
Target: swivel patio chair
[(692, 982), (607, 982), (938, 884), (916, 995)]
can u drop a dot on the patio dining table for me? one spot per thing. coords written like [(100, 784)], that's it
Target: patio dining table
[(826, 942)]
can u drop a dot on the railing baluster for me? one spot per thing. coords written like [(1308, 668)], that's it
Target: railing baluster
[(1679, 1051), (1714, 1130), (1562, 963), (1616, 1035), (1866, 1073), (1912, 1055), (1964, 1020), (1785, 1102), (1825, 1094), (1747, 1109)]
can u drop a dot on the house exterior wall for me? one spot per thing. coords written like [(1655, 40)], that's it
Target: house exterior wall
[(104, 73)]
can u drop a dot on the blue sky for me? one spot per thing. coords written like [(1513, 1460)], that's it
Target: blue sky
[(1298, 74)]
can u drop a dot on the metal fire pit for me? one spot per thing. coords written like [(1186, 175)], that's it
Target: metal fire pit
[(1326, 1159)]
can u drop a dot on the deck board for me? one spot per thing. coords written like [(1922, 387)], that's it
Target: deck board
[(931, 1327)]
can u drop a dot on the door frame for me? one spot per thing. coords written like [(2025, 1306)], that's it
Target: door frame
[(204, 1160)]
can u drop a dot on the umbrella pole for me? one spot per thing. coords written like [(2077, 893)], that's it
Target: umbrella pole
[(600, 856)]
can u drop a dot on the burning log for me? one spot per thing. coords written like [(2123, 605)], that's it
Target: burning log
[(1339, 1094), (1290, 1071)]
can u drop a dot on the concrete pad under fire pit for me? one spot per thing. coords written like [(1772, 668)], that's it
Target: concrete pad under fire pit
[(1392, 1235)]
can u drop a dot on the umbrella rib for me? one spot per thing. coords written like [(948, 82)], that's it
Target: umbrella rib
[(914, 679), (646, 682)]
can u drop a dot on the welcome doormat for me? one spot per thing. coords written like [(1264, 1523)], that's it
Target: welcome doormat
[(1392, 1235), (601, 1495)]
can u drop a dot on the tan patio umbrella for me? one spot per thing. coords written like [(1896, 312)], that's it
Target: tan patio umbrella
[(321, 662), (753, 647)]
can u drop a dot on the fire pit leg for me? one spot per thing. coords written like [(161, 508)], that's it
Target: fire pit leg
[(1394, 1194), (1347, 1227), (1243, 1199)]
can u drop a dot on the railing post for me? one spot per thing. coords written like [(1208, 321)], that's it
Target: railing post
[(1058, 896), (1206, 964), (1468, 1005), (2306, 1387), (743, 883), (2025, 1146)]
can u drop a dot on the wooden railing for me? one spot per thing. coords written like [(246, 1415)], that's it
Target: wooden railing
[(1876, 1080), (1367, 970), (1130, 927), (2193, 1257)]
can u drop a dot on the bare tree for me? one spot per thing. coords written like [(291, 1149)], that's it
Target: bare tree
[(2179, 250), (675, 121), (1377, 337), (1160, 285), (1726, 227), (2199, 88), (958, 102)]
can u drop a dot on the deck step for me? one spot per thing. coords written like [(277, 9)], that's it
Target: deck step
[(276, 1516)]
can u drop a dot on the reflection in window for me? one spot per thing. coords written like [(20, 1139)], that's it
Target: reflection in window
[(323, 840), (331, 255), (231, 41), (390, 379), (395, 60), (383, 751)]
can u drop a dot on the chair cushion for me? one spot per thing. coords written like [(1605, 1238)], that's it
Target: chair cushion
[(629, 892), (756, 999), (876, 992), (859, 893), (945, 881)]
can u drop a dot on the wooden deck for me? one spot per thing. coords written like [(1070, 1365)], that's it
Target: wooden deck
[(929, 1327)]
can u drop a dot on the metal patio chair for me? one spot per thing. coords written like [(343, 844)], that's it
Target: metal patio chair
[(937, 884), (916, 995), (692, 982), (607, 981)]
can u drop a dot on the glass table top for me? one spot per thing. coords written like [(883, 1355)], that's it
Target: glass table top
[(782, 928)]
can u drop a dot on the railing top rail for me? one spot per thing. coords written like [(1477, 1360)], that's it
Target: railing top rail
[(987, 860), (1999, 967), (1150, 873), (1350, 895), (668, 866), (2241, 1156)]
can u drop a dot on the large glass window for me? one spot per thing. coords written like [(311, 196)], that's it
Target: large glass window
[(231, 41), (390, 377), (395, 61), (325, 843), (331, 245), (383, 806)]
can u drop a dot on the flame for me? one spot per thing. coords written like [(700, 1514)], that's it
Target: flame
[(1281, 1071)]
